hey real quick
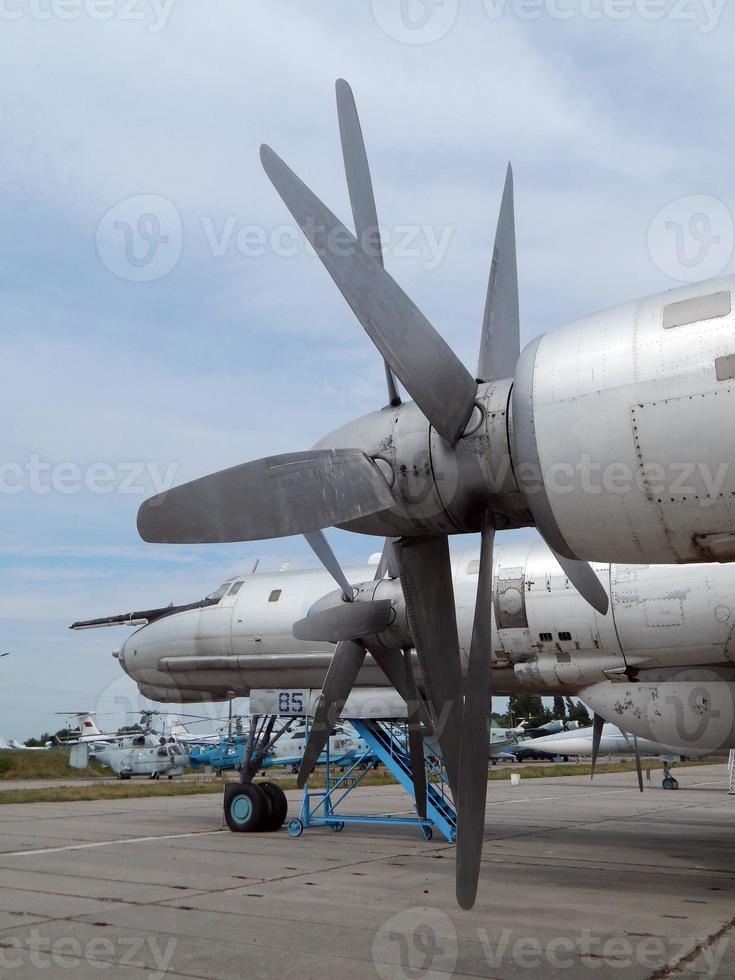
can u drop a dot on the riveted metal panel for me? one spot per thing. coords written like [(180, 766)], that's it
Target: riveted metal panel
[(687, 477)]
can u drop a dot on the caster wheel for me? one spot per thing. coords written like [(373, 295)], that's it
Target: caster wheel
[(427, 833), (338, 827), (668, 782), (277, 806), (295, 827), (245, 807)]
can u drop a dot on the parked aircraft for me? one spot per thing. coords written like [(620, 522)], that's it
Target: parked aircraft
[(135, 755), (609, 435), (287, 752), (12, 745)]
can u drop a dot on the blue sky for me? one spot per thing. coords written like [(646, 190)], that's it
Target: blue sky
[(615, 127)]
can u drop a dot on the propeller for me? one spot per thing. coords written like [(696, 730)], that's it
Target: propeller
[(304, 493), (267, 498), (638, 767), (360, 187), (428, 368), (598, 723), (347, 623)]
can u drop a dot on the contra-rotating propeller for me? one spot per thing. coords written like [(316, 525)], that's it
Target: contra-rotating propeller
[(361, 477), (598, 724)]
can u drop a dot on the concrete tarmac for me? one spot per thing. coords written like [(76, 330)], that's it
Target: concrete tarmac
[(578, 880)]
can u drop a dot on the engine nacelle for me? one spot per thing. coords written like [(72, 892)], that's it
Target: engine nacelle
[(693, 709), (621, 430)]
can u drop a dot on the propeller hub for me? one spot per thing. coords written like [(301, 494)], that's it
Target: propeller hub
[(438, 487)]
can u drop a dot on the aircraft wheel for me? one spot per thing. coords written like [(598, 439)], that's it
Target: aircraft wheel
[(245, 806), (295, 827), (674, 783), (277, 806), (668, 782)]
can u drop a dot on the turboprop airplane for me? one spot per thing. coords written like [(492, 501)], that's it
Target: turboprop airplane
[(610, 435), (668, 637)]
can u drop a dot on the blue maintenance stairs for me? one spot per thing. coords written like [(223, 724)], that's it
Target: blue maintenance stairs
[(386, 740)]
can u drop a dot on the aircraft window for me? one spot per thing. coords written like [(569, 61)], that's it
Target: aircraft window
[(222, 590), (473, 567), (275, 595), (235, 588), (565, 637), (545, 637)]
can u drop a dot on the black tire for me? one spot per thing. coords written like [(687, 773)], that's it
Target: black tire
[(245, 807), (277, 806)]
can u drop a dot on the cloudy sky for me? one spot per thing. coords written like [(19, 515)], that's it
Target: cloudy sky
[(160, 317)]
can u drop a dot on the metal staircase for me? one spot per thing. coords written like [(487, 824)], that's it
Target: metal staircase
[(387, 741)]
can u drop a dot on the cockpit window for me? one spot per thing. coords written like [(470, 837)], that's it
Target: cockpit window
[(222, 590), (235, 588), (275, 595)]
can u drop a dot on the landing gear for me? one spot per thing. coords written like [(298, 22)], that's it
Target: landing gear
[(251, 807), (668, 782), (245, 807), (276, 806)]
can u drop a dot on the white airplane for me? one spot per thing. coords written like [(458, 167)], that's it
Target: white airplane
[(12, 745), (88, 730), (613, 741), (181, 733), (669, 634)]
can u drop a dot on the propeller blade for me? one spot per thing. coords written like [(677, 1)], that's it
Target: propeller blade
[(426, 577), (391, 663), (267, 498), (638, 767), (429, 370), (598, 723), (585, 581), (360, 187), (343, 670), (415, 739), (348, 621), (318, 543), (475, 744), (500, 345), (387, 564)]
